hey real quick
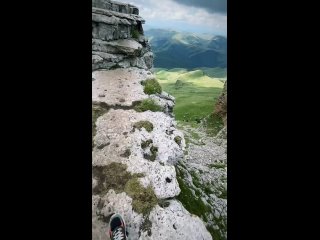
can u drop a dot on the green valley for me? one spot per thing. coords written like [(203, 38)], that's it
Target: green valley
[(195, 92)]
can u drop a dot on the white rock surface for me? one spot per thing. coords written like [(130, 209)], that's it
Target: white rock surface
[(115, 132), (120, 86), (172, 222)]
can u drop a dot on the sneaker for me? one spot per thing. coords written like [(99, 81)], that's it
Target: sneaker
[(117, 227)]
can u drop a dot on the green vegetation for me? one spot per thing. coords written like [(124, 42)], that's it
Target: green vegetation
[(145, 144), (178, 140), (213, 124), (153, 155), (97, 111), (193, 204), (115, 176), (148, 126), (146, 226), (135, 33), (190, 135), (216, 72), (217, 165), (144, 199), (148, 104), (178, 84), (224, 193), (151, 86), (195, 93)]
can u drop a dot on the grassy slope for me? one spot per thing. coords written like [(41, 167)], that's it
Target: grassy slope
[(197, 93)]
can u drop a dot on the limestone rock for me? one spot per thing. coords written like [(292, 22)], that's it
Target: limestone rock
[(122, 84), (111, 128), (174, 222)]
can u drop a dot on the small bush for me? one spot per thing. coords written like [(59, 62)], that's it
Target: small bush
[(135, 33), (152, 86), (144, 124), (148, 104)]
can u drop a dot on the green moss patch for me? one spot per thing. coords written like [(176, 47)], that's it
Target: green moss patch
[(143, 124), (151, 86), (146, 226), (148, 104), (145, 144), (144, 199), (115, 176), (213, 124), (135, 33), (217, 165), (193, 204), (178, 140), (153, 155)]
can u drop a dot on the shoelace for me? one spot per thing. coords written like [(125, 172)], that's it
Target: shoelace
[(118, 235)]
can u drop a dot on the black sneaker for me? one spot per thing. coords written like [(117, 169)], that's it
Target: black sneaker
[(117, 227)]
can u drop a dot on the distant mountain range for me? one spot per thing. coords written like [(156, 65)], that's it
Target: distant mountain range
[(187, 50)]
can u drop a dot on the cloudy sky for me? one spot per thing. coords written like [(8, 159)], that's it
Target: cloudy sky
[(201, 16)]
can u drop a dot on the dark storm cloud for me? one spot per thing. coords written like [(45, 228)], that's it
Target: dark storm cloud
[(213, 6)]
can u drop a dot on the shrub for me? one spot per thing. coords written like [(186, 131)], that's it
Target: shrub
[(152, 86), (148, 104), (135, 33)]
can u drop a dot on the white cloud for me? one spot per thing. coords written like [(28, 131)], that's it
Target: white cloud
[(172, 12)]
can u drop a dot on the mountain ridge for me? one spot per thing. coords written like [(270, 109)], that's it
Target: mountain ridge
[(173, 49)]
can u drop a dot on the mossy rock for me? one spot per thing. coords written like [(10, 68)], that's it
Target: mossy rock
[(148, 104), (144, 199), (143, 124), (152, 86)]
